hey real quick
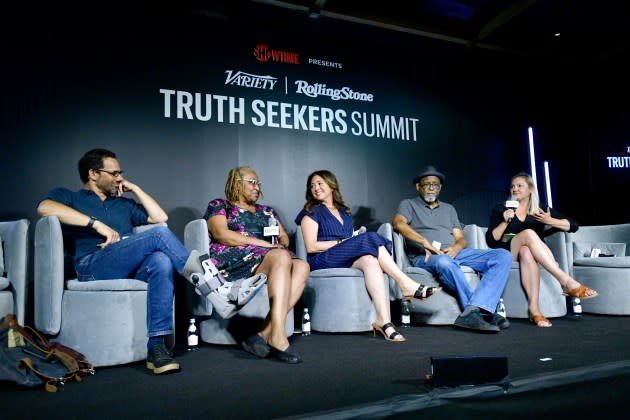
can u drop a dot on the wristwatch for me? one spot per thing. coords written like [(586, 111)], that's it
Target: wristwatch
[(91, 222)]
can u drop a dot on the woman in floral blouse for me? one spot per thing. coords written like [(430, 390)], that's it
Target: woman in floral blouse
[(239, 248)]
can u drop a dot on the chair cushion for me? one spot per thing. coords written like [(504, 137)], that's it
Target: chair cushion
[(106, 285), (583, 249), (337, 272), (608, 262)]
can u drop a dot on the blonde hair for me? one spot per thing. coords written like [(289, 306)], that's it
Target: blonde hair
[(234, 184), (534, 201)]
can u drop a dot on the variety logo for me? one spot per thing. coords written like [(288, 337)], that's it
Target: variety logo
[(264, 54), (250, 80), (319, 89)]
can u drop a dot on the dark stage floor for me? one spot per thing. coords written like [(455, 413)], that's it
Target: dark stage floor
[(577, 369)]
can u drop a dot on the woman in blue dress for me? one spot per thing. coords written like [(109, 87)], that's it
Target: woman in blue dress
[(239, 248), (327, 228)]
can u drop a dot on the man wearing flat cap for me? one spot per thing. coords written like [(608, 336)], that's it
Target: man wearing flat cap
[(434, 241)]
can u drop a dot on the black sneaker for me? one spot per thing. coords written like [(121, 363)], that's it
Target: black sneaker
[(160, 360), (474, 321), (498, 320)]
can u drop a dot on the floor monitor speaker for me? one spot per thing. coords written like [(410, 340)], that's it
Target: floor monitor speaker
[(468, 370)]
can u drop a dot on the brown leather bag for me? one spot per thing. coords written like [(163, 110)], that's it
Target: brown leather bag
[(30, 359)]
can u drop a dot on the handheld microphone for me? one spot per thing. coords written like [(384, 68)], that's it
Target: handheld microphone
[(359, 231), (511, 204)]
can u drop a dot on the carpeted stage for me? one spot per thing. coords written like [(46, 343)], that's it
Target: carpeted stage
[(577, 369)]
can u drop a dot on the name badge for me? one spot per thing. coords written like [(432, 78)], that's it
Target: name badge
[(272, 231)]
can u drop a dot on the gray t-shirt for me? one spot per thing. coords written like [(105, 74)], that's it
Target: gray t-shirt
[(435, 224)]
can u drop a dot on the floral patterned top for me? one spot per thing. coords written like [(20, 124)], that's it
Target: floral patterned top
[(235, 262)]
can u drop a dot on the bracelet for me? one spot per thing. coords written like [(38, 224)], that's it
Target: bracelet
[(339, 241), (91, 222)]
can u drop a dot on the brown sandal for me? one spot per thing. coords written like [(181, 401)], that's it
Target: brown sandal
[(580, 292), (540, 319)]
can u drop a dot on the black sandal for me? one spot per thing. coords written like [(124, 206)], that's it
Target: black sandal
[(392, 337), (424, 292)]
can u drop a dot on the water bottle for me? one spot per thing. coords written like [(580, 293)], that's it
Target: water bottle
[(501, 308), (577, 306), (405, 314), (193, 336), (273, 222), (306, 322), (574, 308)]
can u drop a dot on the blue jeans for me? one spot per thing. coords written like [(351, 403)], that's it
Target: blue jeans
[(150, 256), (493, 264)]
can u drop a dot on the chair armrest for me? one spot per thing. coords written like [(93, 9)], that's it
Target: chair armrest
[(15, 238), (48, 274), (476, 236), (142, 228), (196, 236), (300, 246), (386, 230), (400, 255), (557, 243)]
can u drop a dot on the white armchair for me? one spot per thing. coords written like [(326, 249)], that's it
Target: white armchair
[(610, 276), (443, 308), (13, 268), (337, 298), (552, 303), (103, 319), (213, 328)]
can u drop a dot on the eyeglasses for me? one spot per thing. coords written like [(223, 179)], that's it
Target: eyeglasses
[(429, 185), (253, 182), (115, 174)]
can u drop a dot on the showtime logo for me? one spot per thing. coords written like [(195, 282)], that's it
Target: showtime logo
[(264, 54)]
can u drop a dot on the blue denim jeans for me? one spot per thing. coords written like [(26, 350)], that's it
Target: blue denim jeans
[(493, 264), (150, 256)]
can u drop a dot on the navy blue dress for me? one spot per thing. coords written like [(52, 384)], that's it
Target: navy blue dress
[(344, 254)]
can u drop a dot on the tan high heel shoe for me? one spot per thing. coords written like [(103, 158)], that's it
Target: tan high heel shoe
[(395, 336), (581, 292)]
